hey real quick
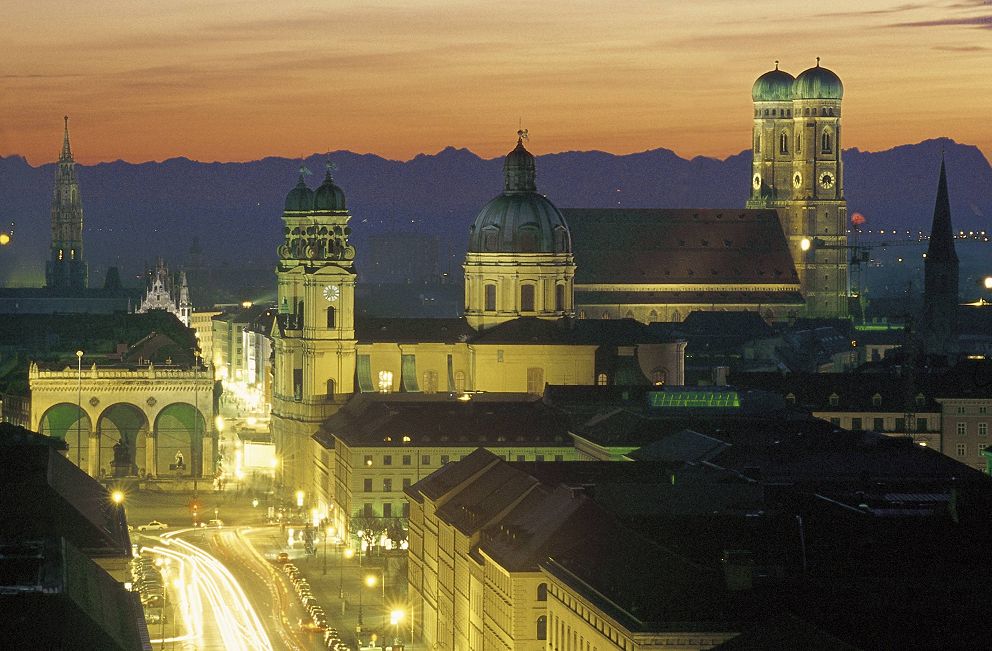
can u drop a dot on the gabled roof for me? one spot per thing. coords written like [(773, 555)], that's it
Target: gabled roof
[(687, 246), (481, 500), (43, 493), (452, 475), (441, 420)]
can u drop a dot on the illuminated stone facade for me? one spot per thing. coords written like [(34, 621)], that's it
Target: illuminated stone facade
[(798, 170), (162, 415)]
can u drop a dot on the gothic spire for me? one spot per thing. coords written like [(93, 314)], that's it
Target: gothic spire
[(66, 150), (941, 247)]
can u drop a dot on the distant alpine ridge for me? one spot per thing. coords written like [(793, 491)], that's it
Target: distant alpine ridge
[(135, 213)]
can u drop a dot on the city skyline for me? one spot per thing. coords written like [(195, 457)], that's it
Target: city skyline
[(154, 83)]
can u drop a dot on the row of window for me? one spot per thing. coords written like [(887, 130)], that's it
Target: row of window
[(826, 143), (368, 510), (405, 459), (787, 113), (425, 460), (962, 449), (918, 424), (962, 410), (983, 429), (527, 291)]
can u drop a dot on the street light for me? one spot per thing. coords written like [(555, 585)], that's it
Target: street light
[(395, 617), (79, 407)]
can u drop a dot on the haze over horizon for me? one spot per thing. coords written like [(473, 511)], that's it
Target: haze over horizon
[(152, 82)]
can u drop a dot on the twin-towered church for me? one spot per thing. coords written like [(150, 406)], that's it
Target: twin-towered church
[(566, 297)]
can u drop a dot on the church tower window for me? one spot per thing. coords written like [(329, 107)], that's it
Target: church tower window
[(783, 143), (490, 298), (330, 317), (559, 298), (826, 143), (526, 298)]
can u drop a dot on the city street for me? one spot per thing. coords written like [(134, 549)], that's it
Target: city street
[(225, 590)]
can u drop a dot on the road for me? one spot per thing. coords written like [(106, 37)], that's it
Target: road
[(218, 585)]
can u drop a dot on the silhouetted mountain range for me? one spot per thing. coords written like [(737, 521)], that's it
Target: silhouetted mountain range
[(137, 212)]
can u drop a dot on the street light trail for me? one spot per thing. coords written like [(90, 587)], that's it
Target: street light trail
[(209, 581)]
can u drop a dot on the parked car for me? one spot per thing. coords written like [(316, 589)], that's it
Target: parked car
[(154, 525), (282, 557), (215, 523)]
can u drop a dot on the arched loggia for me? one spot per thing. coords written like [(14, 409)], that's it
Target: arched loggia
[(69, 423), (122, 429), (179, 433)]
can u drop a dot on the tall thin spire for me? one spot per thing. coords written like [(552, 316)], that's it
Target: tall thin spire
[(941, 247), (66, 149)]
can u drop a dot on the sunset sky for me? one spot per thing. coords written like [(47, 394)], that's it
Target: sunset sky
[(231, 81)]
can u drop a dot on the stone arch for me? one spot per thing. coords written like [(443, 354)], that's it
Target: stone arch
[(179, 432), (66, 421), (122, 430)]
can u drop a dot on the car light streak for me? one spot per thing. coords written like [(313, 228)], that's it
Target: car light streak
[(205, 580)]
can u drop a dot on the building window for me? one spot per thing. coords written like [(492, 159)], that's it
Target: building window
[(834, 399), (559, 298), (445, 459), (876, 400), (542, 592), (535, 380), (757, 143), (542, 627), (983, 429), (406, 509), (387, 485), (878, 424), (835, 422), (490, 239), (982, 447), (538, 457), (601, 380), (799, 143), (962, 449), (460, 381), (960, 411), (425, 460), (387, 460), (330, 317), (430, 382), (330, 388), (521, 457), (559, 457), (790, 398), (526, 298), (406, 459), (368, 485), (367, 510), (783, 143), (387, 510), (962, 428), (385, 381), (406, 482), (983, 410), (490, 298), (856, 424), (826, 143), (368, 460), (921, 424), (528, 239)]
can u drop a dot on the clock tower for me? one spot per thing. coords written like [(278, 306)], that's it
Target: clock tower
[(314, 333), (797, 169)]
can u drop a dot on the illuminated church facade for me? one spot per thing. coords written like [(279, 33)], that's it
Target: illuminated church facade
[(560, 297)]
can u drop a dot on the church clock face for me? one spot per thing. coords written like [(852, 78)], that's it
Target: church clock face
[(756, 181), (797, 180), (332, 292), (826, 180)]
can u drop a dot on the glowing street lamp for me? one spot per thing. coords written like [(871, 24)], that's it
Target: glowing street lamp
[(987, 282), (805, 243), (299, 499), (395, 617), (117, 497)]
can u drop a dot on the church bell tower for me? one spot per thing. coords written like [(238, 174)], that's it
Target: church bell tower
[(66, 268), (797, 169), (314, 332)]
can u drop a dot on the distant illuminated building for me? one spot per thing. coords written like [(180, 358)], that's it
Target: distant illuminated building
[(163, 293), (66, 268)]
